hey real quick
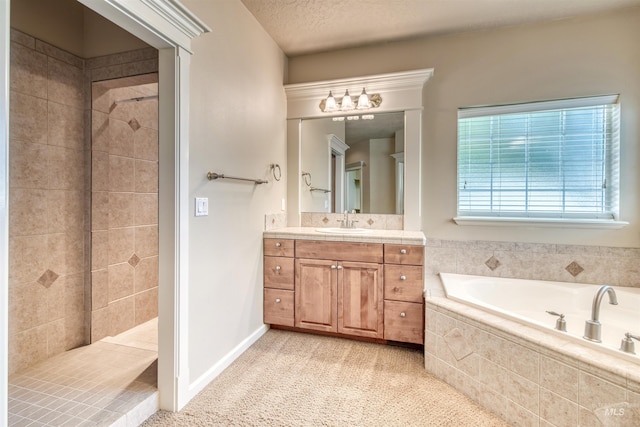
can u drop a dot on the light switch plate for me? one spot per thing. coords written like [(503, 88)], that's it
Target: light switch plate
[(202, 206)]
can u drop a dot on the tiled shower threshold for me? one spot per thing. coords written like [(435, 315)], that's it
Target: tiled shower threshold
[(112, 382)]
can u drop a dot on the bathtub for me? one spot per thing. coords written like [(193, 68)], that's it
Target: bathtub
[(527, 301)]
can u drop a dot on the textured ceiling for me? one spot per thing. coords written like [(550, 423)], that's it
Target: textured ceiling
[(306, 26)]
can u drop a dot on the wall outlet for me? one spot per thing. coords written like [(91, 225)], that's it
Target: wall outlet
[(202, 206)]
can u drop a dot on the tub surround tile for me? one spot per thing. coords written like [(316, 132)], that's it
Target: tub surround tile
[(559, 378), (457, 344), (523, 392), (520, 416)]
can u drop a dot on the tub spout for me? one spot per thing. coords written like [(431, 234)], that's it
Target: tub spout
[(592, 328)]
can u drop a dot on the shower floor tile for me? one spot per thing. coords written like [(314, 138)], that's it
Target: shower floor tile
[(109, 382)]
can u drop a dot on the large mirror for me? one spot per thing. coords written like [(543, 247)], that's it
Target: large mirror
[(354, 165)]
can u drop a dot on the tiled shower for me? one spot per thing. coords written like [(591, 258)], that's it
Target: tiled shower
[(83, 211)]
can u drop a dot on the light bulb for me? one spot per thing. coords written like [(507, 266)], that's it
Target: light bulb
[(330, 103), (363, 101), (347, 103)]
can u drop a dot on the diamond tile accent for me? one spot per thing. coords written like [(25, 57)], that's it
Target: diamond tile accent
[(48, 278), (574, 269), (325, 220), (370, 221), (492, 263), (134, 124), (134, 260)]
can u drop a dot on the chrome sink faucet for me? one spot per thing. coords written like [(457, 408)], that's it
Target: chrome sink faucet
[(593, 328), (345, 222)]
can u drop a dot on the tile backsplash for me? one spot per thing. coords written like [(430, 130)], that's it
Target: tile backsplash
[(373, 221), (554, 262)]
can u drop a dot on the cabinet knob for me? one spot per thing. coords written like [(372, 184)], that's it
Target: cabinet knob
[(278, 268), (333, 267), (278, 244), (278, 300), (339, 267), (403, 251), (403, 314), (403, 277)]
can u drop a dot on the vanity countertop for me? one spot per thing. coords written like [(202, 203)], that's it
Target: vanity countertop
[(370, 236)]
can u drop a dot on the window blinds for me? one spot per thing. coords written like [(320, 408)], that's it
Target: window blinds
[(553, 159)]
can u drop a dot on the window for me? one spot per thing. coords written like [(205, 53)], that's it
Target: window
[(551, 160)]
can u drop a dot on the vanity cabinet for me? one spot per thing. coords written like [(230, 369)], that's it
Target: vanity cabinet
[(403, 293), (371, 290), (343, 294), (279, 282)]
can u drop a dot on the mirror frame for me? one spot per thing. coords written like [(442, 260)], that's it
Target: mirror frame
[(400, 92)]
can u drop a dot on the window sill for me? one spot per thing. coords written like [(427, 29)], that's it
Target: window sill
[(540, 222)]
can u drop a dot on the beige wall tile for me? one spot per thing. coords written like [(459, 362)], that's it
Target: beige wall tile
[(99, 171), (493, 376), (493, 348), (56, 299), (146, 112), (100, 131), (27, 212), (121, 138), (27, 306), (524, 362), (146, 209), (100, 98), (28, 118), (28, 71), (100, 324), (55, 337), (495, 402), (120, 210), (121, 245), (559, 378), (99, 250), (122, 314), (99, 289), (472, 261), (440, 260), (146, 176), (27, 348), (66, 169), (146, 144), (28, 165), (146, 306), (28, 257), (522, 391), (146, 274), (65, 126), (121, 174), (520, 416), (65, 211), (74, 327), (65, 83), (557, 410), (146, 241), (594, 392), (100, 210), (120, 281), (66, 252)]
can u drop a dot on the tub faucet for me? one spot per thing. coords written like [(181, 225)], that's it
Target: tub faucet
[(592, 328)]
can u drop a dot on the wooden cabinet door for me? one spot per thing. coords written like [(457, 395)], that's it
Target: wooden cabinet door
[(360, 299), (316, 295)]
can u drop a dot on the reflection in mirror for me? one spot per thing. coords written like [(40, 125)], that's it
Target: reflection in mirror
[(353, 165)]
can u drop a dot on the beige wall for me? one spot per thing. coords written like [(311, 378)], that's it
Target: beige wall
[(68, 25), (237, 127), (578, 57)]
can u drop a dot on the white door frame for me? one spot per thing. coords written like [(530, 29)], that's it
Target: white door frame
[(168, 26)]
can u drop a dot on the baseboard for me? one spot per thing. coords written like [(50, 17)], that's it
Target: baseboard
[(199, 384)]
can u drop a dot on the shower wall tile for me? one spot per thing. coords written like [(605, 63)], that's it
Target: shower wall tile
[(121, 174), (120, 210), (146, 305), (55, 337), (100, 214), (27, 306), (27, 258), (74, 311), (56, 299), (99, 289), (27, 348), (27, 118), (66, 168), (28, 212), (100, 324), (121, 281), (122, 315), (65, 83), (99, 250), (28, 70), (146, 241), (65, 126), (146, 274), (121, 244), (146, 176), (66, 252), (120, 137), (146, 144), (28, 165), (146, 208), (100, 131), (65, 211)]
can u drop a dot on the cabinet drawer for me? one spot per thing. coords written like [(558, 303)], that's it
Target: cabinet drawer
[(278, 247), (404, 254), (340, 251), (278, 307), (278, 272), (404, 322), (403, 283)]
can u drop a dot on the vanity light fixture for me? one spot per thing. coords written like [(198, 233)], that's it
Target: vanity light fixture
[(331, 104)]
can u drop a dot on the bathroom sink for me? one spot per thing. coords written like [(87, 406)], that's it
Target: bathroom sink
[(338, 230)]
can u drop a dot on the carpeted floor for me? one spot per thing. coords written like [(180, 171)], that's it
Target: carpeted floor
[(295, 379)]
